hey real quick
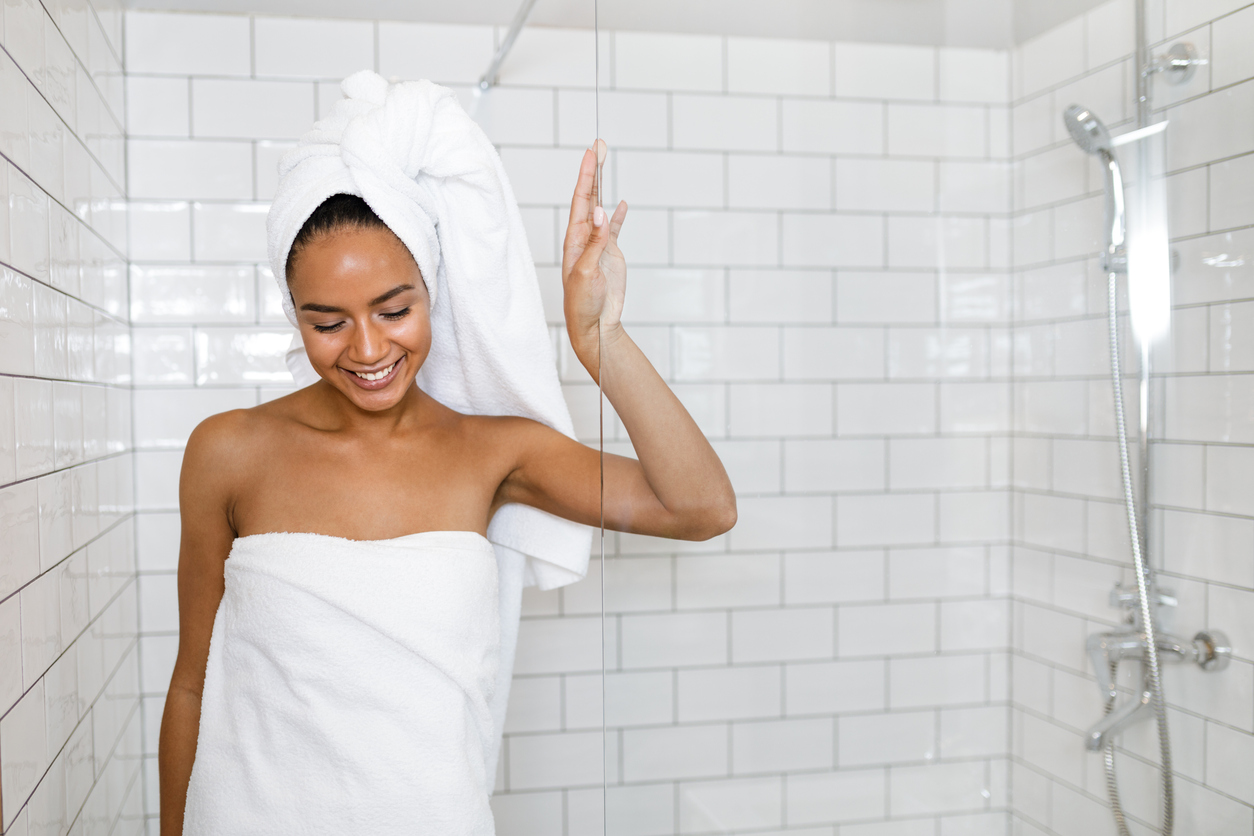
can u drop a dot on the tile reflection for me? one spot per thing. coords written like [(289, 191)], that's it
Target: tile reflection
[(192, 293), (238, 355), (163, 355), (17, 323)]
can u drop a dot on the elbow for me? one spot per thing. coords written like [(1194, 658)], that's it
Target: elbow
[(717, 518), (727, 518)]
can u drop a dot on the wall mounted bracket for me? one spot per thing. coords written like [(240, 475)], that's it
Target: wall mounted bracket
[(1177, 64)]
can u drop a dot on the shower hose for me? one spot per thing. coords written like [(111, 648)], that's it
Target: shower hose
[(1139, 560)]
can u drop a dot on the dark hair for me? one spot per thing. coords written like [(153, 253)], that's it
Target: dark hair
[(337, 212)]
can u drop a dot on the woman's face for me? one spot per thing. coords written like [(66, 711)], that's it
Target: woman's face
[(363, 312)]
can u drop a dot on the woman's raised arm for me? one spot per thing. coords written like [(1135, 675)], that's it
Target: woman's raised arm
[(678, 488)]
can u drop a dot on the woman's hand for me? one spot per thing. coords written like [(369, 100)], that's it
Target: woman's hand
[(594, 273)]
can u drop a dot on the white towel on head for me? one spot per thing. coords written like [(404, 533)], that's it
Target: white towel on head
[(429, 172)]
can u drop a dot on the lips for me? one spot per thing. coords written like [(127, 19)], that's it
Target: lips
[(376, 379)]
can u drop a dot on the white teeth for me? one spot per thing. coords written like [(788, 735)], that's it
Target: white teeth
[(379, 375)]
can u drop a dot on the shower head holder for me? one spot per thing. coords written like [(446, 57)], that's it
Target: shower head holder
[(1177, 64)]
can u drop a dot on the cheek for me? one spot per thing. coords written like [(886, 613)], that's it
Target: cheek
[(413, 332), (322, 349)]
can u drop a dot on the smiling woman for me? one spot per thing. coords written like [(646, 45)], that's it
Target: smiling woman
[(353, 553), (345, 248)]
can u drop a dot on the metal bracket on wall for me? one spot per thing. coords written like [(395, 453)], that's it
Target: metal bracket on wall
[(1177, 64)]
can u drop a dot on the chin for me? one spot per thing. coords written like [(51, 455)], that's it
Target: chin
[(379, 401)]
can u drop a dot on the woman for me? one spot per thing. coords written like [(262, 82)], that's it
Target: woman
[(365, 472)]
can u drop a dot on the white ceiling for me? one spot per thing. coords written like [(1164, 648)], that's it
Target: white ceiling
[(970, 23)]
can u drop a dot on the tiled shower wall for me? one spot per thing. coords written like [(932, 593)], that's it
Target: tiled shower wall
[(819, 255), (70, 733), (819, 265), (820, 269), (1071, 543)]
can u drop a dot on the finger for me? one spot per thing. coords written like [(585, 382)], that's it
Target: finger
[(581, 202), (580, 211), (598, 237), (601, 150), (616, 222)]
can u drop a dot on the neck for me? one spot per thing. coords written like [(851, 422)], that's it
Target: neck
[(414, 409)]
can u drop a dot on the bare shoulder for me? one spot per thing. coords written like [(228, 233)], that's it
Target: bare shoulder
[(212, 456), (230, 441), (224, 434)]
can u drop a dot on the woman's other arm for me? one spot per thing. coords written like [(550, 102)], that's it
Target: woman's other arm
[(204, 503), (678, 488)]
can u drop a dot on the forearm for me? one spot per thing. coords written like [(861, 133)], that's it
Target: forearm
[(176, 751), (679, 464)]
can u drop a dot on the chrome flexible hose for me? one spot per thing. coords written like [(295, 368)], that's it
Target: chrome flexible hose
[(1139, 558), (1108, 752)]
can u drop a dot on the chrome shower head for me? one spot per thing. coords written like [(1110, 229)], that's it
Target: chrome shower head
[(1093, 138), (1087, 130)]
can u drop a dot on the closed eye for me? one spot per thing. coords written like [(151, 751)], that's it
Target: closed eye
[(391, 315)]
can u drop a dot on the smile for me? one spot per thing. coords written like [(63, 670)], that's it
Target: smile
[(379, 375), (375, 380)]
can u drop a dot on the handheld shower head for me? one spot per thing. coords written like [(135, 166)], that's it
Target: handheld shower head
[(1087, 130), (1093, 138)]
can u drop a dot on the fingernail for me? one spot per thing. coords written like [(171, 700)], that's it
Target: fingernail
[(598, 216)]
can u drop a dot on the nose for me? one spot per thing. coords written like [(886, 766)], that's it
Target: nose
[(370, 343)]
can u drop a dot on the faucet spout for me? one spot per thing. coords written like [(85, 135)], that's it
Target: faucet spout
[(1123, 716)]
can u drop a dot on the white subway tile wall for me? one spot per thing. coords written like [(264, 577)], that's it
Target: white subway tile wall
[(1070, 543), (794, 237), (868, 271), (70, 736)]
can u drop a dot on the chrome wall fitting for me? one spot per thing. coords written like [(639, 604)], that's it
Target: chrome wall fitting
[(1214, 650), (1209, 650), (1177, 64)]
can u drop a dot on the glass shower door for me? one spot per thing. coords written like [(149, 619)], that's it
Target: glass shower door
[(820, 266)]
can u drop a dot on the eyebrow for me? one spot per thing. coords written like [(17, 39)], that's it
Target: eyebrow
[(378, 300)]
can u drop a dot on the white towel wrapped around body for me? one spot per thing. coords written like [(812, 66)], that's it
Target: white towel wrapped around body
[(347, 688), (431, 174)]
